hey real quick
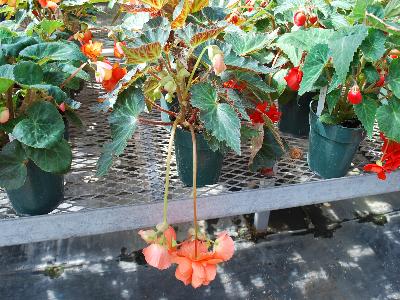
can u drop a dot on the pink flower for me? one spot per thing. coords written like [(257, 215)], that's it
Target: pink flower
[(159, 253), (217, 59), (4, 115), (223, 246), (103, 71), (218, 64), (157, 256)]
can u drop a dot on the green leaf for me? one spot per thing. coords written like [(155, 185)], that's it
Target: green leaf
[(313, 67), (373, 46), (332, 99), (329, 119), (371, 74), (366, 112), (12, 166), (56, 159), (388, 117), (123, 122), (360, 8), (42, 128), (56, 51), (392, 9), (384, 25), (343, 44), (58, 94), (269, 153), (394, 77), (49, 26), (234, 96), (28, 73), (220, 119), (13, 46), (293, 44), (244, 43)]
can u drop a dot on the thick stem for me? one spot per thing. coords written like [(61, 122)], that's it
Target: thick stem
[(10, 104), (194, 188), (166, 189)]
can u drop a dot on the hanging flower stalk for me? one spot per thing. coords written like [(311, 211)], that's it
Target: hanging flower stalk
[(180, 69)]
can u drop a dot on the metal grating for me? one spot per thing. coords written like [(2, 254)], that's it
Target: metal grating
[(137, 177)]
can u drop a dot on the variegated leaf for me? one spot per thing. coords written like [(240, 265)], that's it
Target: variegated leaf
[(142, 54), (198, 5), (204, 36), (158, 4), (180, 14)]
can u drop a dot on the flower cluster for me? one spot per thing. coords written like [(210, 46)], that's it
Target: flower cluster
[(269, 110), (196, 262), (390, 160)]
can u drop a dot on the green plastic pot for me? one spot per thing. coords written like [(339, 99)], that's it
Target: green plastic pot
[(41, 193), (295, 113), (331, 147), (209, 163)]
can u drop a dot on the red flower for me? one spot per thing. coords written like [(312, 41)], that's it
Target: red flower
[(261, 109), (233, 84), (379, 170), (293, 78), (117, 74)]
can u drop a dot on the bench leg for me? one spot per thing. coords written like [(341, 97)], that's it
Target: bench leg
[(261, 220)]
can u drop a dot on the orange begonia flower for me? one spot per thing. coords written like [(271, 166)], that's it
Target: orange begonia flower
[(92, 49), (118, 52), (49, 4), (117, 74)]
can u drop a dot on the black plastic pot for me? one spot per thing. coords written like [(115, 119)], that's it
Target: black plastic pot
[(41, 193), (209, 163), (332, 147), (295, 110)]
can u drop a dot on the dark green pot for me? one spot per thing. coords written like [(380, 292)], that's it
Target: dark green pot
[(41, 193), (295, 113), (209, 163), (332, 147)]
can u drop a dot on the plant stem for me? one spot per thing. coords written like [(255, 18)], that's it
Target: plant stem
[(10, 104), (194, 188), (73, 75), (154, 122), (168, 170), (189, 84)]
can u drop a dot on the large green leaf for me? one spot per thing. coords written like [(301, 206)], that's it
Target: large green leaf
[(237, 101), (28, 73), (313, 66), (220, 119), (373, 46), (366, 112), (293, 44), (332, 99), (343, 44), (56, 51), (244, 43), (123, 123), (12, 47), (388, 117), (12, 166), (394, 77), (42, 128), (383, 24), (56, 159)]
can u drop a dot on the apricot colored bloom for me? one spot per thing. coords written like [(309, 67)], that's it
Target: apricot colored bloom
[(49, 4), (118, 51), (92, 50), (117, 74), (159, 253), (201, 269)]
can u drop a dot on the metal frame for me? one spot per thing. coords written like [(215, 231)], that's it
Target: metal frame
[(118, 218)]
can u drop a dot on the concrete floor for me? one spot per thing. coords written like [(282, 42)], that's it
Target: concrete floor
[(358, 259)]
